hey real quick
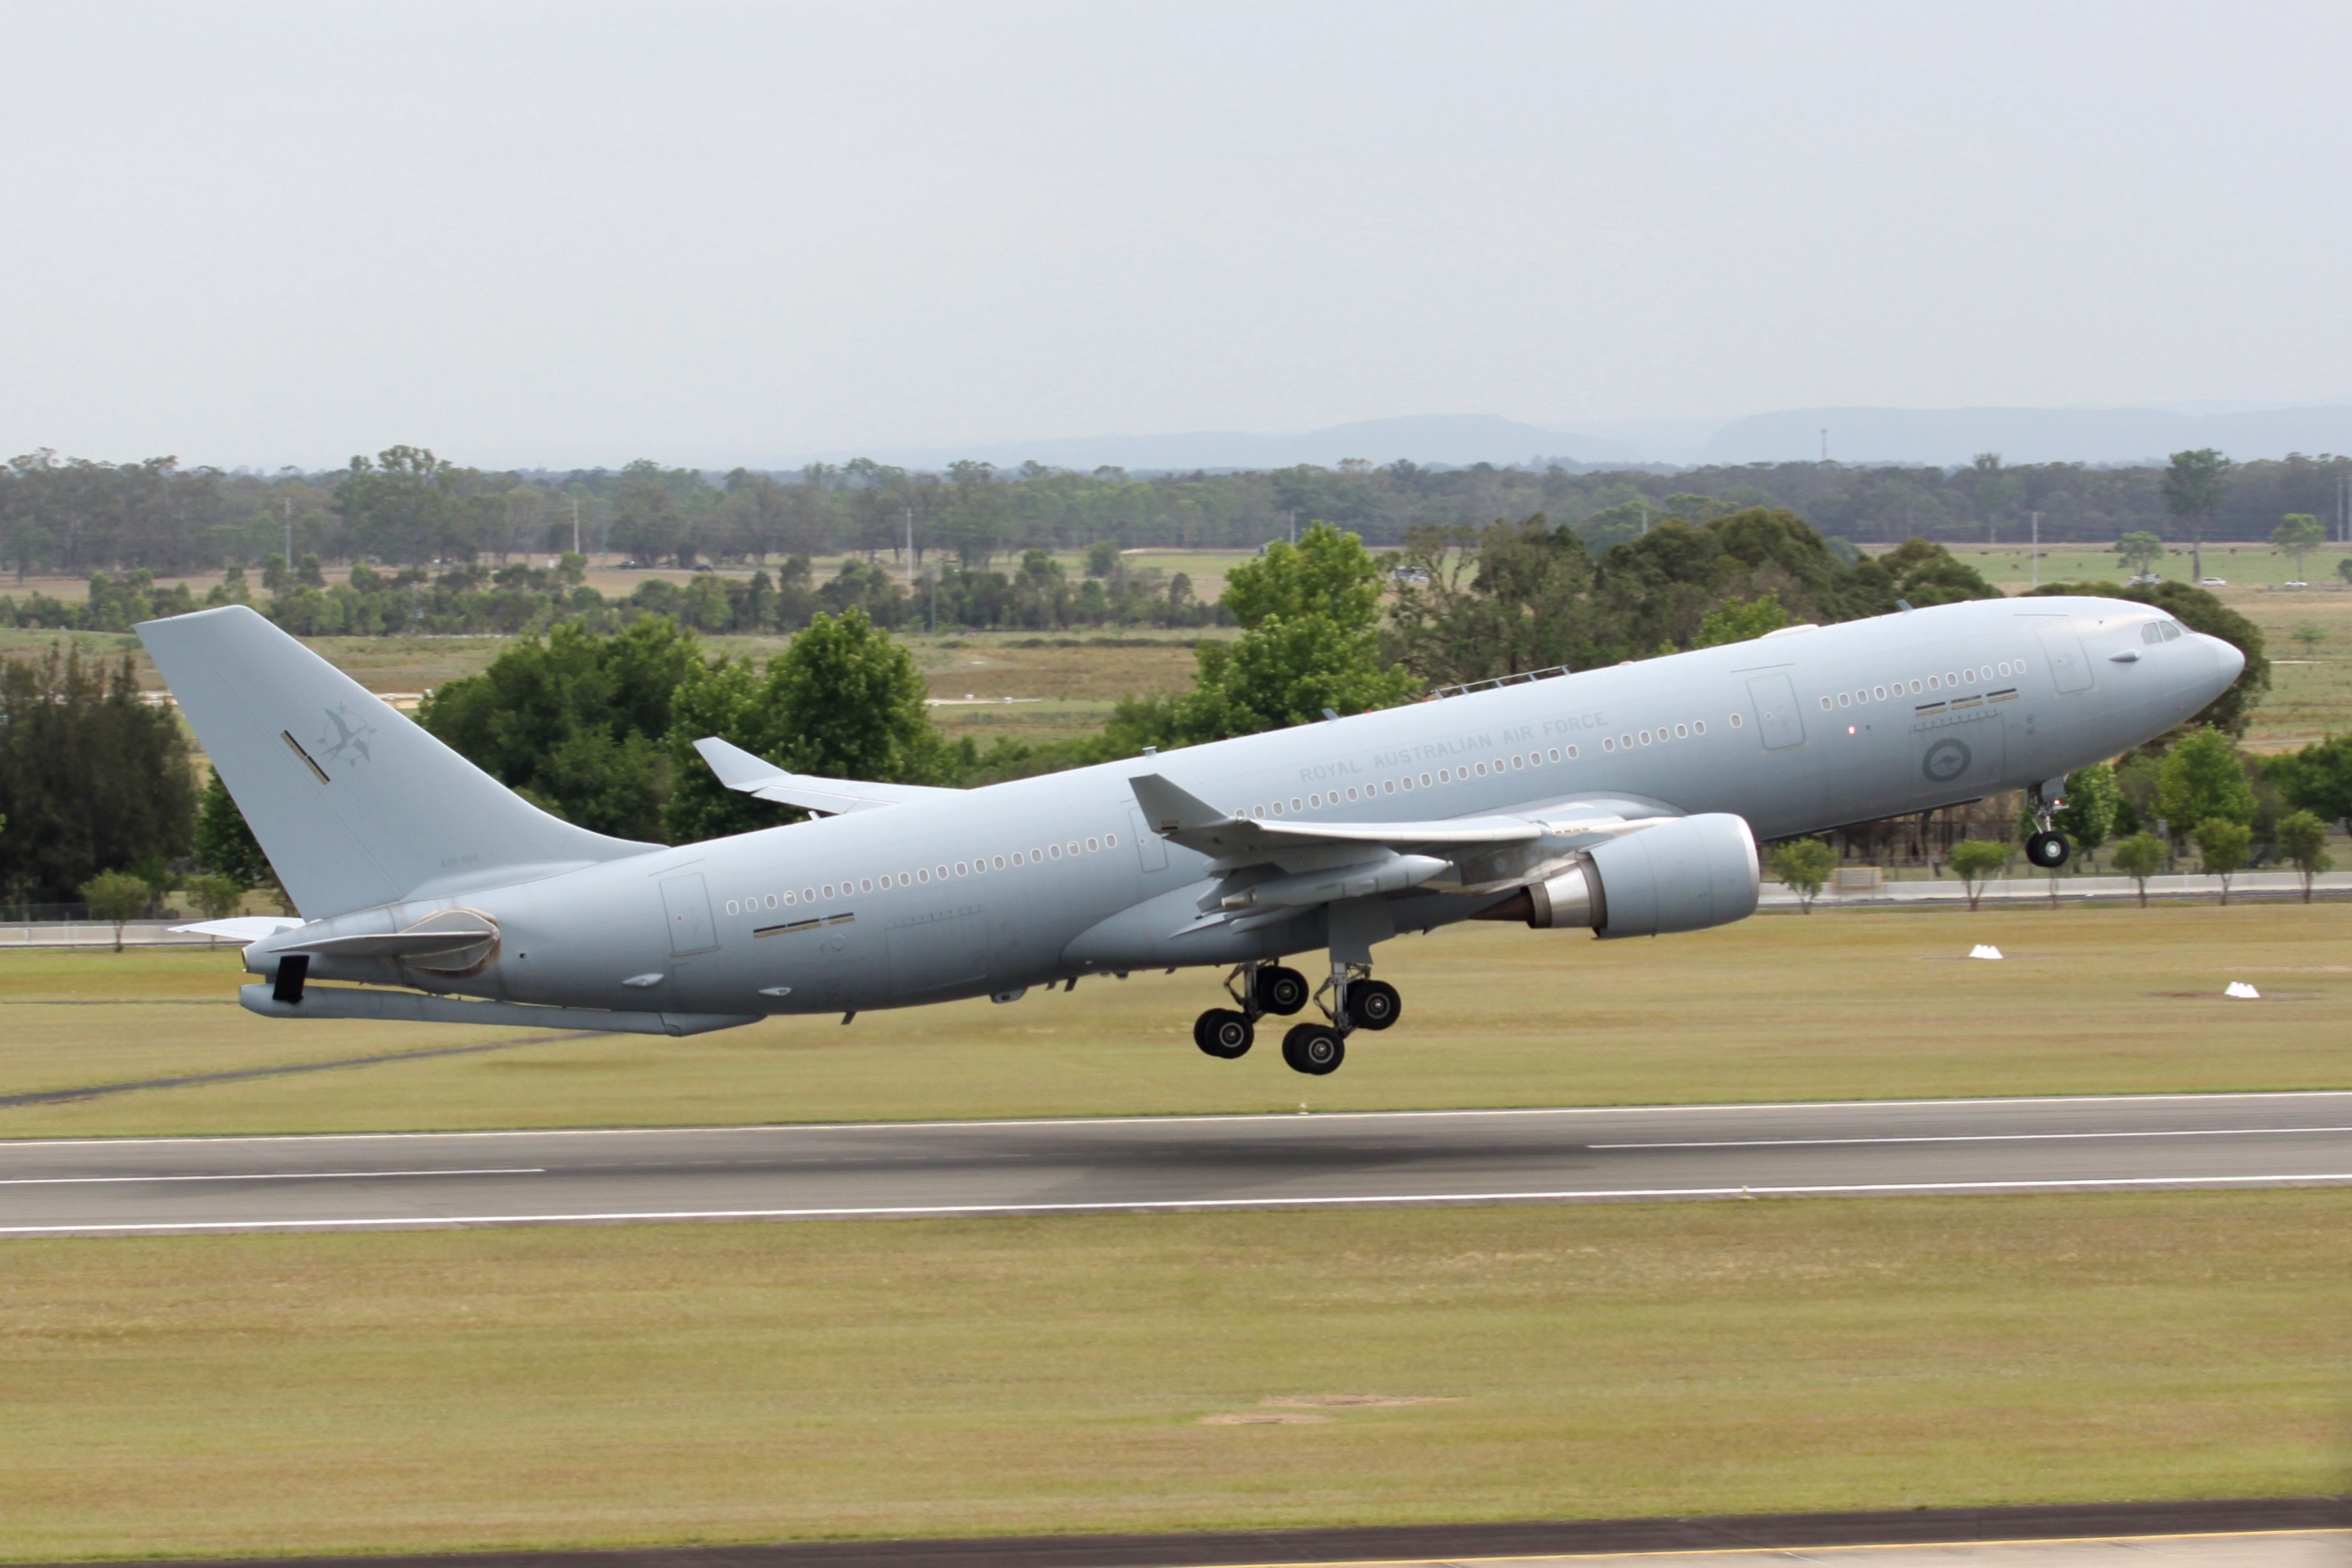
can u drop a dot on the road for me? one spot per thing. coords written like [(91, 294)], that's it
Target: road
[(1147, 1163)]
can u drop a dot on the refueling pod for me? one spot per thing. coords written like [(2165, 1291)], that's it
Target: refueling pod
[(1683, 875)]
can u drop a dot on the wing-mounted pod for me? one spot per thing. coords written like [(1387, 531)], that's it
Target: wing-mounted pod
[(1684, 874)]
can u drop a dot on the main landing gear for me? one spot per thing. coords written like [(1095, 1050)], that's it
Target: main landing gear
[(1350, 1000), (2047, 848)]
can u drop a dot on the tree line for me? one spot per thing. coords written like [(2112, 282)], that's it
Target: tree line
[(407, 507), (596, 723)]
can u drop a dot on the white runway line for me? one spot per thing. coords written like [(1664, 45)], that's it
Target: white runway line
[(1968, 1138), (1421, 1200), (267, 1177), (1474, 1112)]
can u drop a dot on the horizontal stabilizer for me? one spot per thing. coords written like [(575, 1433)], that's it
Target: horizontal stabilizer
[(740, 770), (393, 944), (243, 928)]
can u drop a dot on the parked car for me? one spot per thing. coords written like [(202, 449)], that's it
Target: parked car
[(2212, 582), (2298, 583)]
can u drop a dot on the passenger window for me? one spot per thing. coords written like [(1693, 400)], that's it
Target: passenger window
[(1607, 745), (1698, 726), (1879, 692)]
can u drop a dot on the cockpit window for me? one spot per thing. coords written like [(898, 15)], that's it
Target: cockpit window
[(2152, 633)]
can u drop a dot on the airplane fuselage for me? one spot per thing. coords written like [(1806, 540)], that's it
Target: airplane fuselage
[(1044, 880)]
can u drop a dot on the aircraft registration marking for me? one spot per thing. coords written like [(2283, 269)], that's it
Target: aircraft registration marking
[(814, 923)]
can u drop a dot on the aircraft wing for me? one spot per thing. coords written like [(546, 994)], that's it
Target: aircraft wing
[(1184, 818), (740, 770)]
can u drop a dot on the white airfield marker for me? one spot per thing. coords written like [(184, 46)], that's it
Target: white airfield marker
[(1984, 950), (2242, 991)]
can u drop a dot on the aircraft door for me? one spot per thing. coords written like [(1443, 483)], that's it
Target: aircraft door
[(1778, 723), (1150, 848), (687, 902), (2069, 667)]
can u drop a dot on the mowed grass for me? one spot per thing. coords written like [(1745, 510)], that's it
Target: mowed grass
[(1841, 1005), (290, 1394)]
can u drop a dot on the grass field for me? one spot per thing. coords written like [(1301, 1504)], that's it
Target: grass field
[(1839, 1005), (308, 1393)]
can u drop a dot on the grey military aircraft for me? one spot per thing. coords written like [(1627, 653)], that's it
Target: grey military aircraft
[(1626, 801)]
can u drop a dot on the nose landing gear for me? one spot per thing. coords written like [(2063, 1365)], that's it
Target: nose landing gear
[(2048, 848)]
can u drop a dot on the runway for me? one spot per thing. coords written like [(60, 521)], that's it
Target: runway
[(1167, 1164)]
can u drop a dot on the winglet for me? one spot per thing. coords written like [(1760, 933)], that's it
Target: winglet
[(736, 768), (1171, 810)]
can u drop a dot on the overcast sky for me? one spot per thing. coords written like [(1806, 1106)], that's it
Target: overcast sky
[(561, 234)]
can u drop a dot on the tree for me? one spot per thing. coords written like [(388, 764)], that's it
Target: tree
[(1310, 642), (2298, 535), (1734, 621), (1803, 865), (117, 896), (224, 845), (2310, 634), (2223, 843), (2192, 493), (2201, 778), (2344, 569), (2141, 552), (576, 723), (2092, 799), (94, 777), (1975, 861), (2303, 839), (2139, 857), (2317, 778), (216, 897), (843, 700)]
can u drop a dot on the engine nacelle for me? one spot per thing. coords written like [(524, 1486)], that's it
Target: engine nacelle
[(1683, 875)]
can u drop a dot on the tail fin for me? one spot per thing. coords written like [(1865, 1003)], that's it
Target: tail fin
[(354, 803)]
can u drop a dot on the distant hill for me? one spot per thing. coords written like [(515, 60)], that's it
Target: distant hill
[(1947, 437), (1952, 436), (1452, 439)]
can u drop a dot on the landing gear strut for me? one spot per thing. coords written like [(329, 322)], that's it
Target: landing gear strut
[(2048, 849), (1257, 989), (1350, 1000)]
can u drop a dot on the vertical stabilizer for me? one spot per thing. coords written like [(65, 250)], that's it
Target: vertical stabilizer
[(354, 803)]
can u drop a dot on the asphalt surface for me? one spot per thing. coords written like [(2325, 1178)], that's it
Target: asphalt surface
[(2265, 1533), (1140, 1165)]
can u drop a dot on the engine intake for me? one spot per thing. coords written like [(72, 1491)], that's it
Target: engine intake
[(1684, 875)]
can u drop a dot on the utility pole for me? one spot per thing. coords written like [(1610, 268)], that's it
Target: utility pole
[(1825, 443), (911, 548), (575, 525), (2037, 549)]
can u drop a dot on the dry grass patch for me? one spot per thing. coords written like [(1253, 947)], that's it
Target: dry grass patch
[(1838, 1006), (440, 1391)]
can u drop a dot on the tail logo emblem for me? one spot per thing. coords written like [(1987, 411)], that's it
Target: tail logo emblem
[(346, 737)]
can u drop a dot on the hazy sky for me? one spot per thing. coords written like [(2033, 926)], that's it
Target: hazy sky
[(525, 234)]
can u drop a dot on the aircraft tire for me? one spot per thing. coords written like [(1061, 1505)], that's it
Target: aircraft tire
[(2047, 851), (1281, 991), (1314, 1049), (1223, 1033), (1374, 1004)]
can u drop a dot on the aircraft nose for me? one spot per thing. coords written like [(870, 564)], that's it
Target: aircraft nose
[(2228, 661)]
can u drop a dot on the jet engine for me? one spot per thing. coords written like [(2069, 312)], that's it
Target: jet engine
[(1683, 875)]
